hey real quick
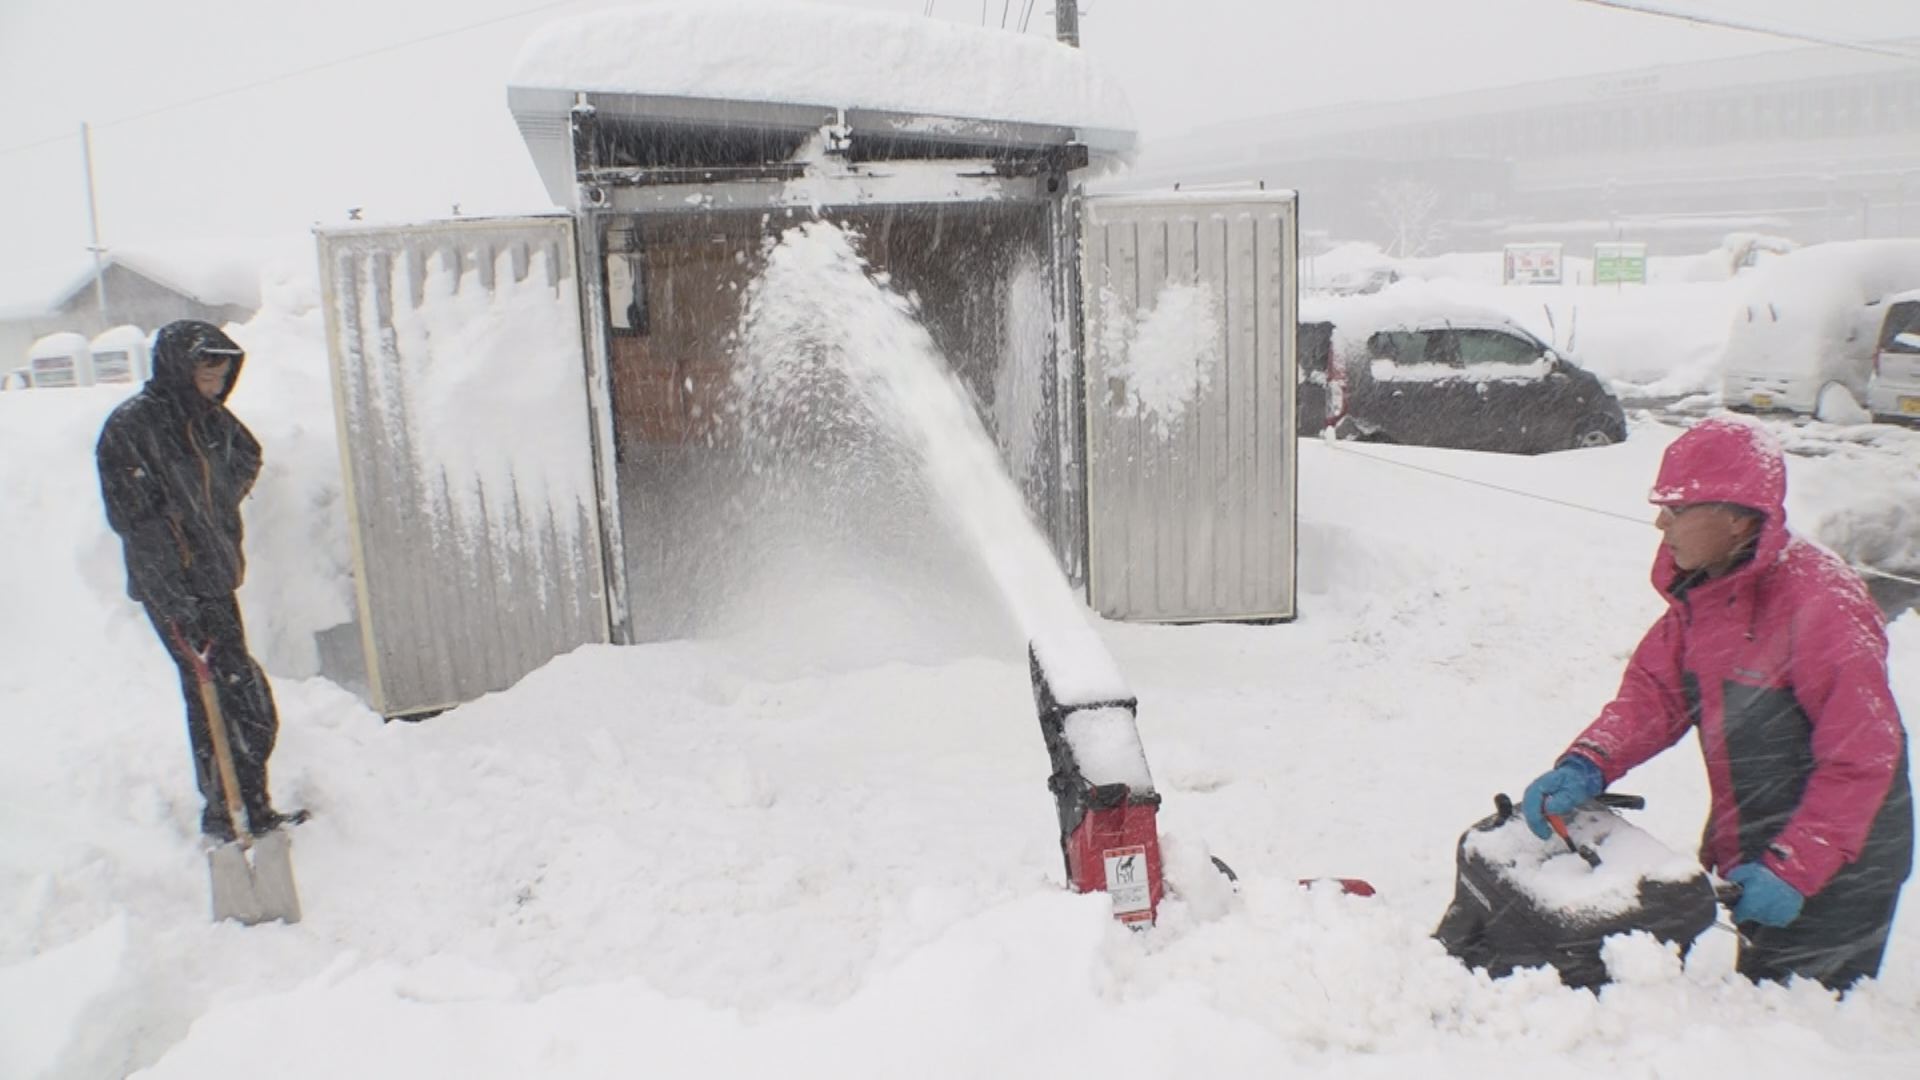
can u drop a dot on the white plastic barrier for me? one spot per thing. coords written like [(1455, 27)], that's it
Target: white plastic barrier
[(63, 359), (121, 355)]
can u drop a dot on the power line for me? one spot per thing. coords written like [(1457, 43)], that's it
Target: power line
[(296, 73), (1661, 9), (1866, 571)]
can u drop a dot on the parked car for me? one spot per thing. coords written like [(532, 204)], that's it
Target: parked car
[(1893, 393), (1487, 385), (1803, 337)]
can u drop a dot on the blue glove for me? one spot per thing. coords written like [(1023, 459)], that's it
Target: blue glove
[(1764, 898), (1572, 782)]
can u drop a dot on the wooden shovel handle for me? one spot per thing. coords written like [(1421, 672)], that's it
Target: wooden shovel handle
[(217, 731)]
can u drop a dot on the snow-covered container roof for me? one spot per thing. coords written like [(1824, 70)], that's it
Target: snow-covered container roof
[(747, 64)]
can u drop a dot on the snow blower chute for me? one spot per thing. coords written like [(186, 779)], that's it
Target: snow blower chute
[(1109, 834), (1520, 901)]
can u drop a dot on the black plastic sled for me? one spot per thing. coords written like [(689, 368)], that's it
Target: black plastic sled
[(1520, 901)]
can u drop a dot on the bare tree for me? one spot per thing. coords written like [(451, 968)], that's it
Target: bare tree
[(1408, 208)]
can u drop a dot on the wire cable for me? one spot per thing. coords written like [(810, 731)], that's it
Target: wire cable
[(1867, 571), (1664, 10), (294, 74)]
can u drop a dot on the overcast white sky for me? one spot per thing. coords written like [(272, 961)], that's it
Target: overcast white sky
[(411, 129)]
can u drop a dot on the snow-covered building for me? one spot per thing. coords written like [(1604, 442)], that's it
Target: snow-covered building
[(144, 289), (1813, 144), (682, 142)]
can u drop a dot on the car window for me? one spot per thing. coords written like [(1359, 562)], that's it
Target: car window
[(1399, 346), (1902, 330), (1495, 347)]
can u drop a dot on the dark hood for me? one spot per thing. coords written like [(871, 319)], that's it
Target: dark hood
[(179, 346)]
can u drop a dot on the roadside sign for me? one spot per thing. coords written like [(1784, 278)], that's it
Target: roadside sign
[(1532, 264), (1620, 263)]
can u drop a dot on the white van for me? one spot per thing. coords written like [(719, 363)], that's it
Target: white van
[(1803, 339), (62, 359), (1894, 391)]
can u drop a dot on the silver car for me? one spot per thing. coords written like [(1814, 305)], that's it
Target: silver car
[(1894, 391)]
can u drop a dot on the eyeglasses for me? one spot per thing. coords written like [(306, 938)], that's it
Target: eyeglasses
[(1676, 511)]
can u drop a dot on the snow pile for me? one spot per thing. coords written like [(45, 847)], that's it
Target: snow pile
[(680, 859), (1166, 352), (482, 362), (824, 55), (299, 558)]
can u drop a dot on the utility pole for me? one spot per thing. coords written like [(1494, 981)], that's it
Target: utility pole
[(93, 226), (1066, 21)]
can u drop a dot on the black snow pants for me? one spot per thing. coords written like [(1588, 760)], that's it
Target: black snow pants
[(246, 704), (1841, 933)]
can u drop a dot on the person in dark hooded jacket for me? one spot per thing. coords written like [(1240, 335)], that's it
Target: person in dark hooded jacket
[(174, 465), (1773, 653)]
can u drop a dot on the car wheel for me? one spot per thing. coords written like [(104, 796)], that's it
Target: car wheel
[(1595, 430)]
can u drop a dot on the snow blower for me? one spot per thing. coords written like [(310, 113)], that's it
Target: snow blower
[(252, 876), (1522, 902), (1109, 835)]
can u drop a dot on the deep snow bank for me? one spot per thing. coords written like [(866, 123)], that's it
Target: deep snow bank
[(699, 858)]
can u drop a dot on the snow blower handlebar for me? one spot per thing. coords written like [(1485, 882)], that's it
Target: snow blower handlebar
[(1503, 809), (1559, 825)]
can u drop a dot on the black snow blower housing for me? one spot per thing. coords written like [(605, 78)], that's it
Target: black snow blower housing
[(1520, 901)]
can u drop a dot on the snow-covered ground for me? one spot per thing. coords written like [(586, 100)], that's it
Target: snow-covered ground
[(825, 847)]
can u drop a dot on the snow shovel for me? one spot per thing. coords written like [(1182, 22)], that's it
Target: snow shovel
[(252, 876)]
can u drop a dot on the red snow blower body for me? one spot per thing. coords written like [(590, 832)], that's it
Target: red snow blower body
[(1109, 833)]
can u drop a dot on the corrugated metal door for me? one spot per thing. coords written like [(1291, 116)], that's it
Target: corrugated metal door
[(1189, 307), (461, 392)]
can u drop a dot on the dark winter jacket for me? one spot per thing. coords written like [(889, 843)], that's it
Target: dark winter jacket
[(174, 466), (1781, 668)]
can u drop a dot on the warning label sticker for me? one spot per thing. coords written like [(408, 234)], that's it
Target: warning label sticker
[(1127, 880)]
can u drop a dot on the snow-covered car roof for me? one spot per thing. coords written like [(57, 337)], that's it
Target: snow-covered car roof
[(1474, 323), (1803, 313)]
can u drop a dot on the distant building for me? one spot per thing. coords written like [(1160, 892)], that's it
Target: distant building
[(1809, 144), (143, 290)]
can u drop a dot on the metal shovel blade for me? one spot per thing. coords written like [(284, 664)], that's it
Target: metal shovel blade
[(254, 885)]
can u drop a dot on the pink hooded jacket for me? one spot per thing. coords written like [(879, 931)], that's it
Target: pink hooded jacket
[(1781, 667)]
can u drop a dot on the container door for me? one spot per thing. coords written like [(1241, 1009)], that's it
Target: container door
[(460, 388), (1189, 309)]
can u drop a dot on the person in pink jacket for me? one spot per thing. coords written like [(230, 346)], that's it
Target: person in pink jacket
[(1773, 653)]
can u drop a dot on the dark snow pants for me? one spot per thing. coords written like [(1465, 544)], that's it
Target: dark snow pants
[(246, 704), (1841, 933)]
